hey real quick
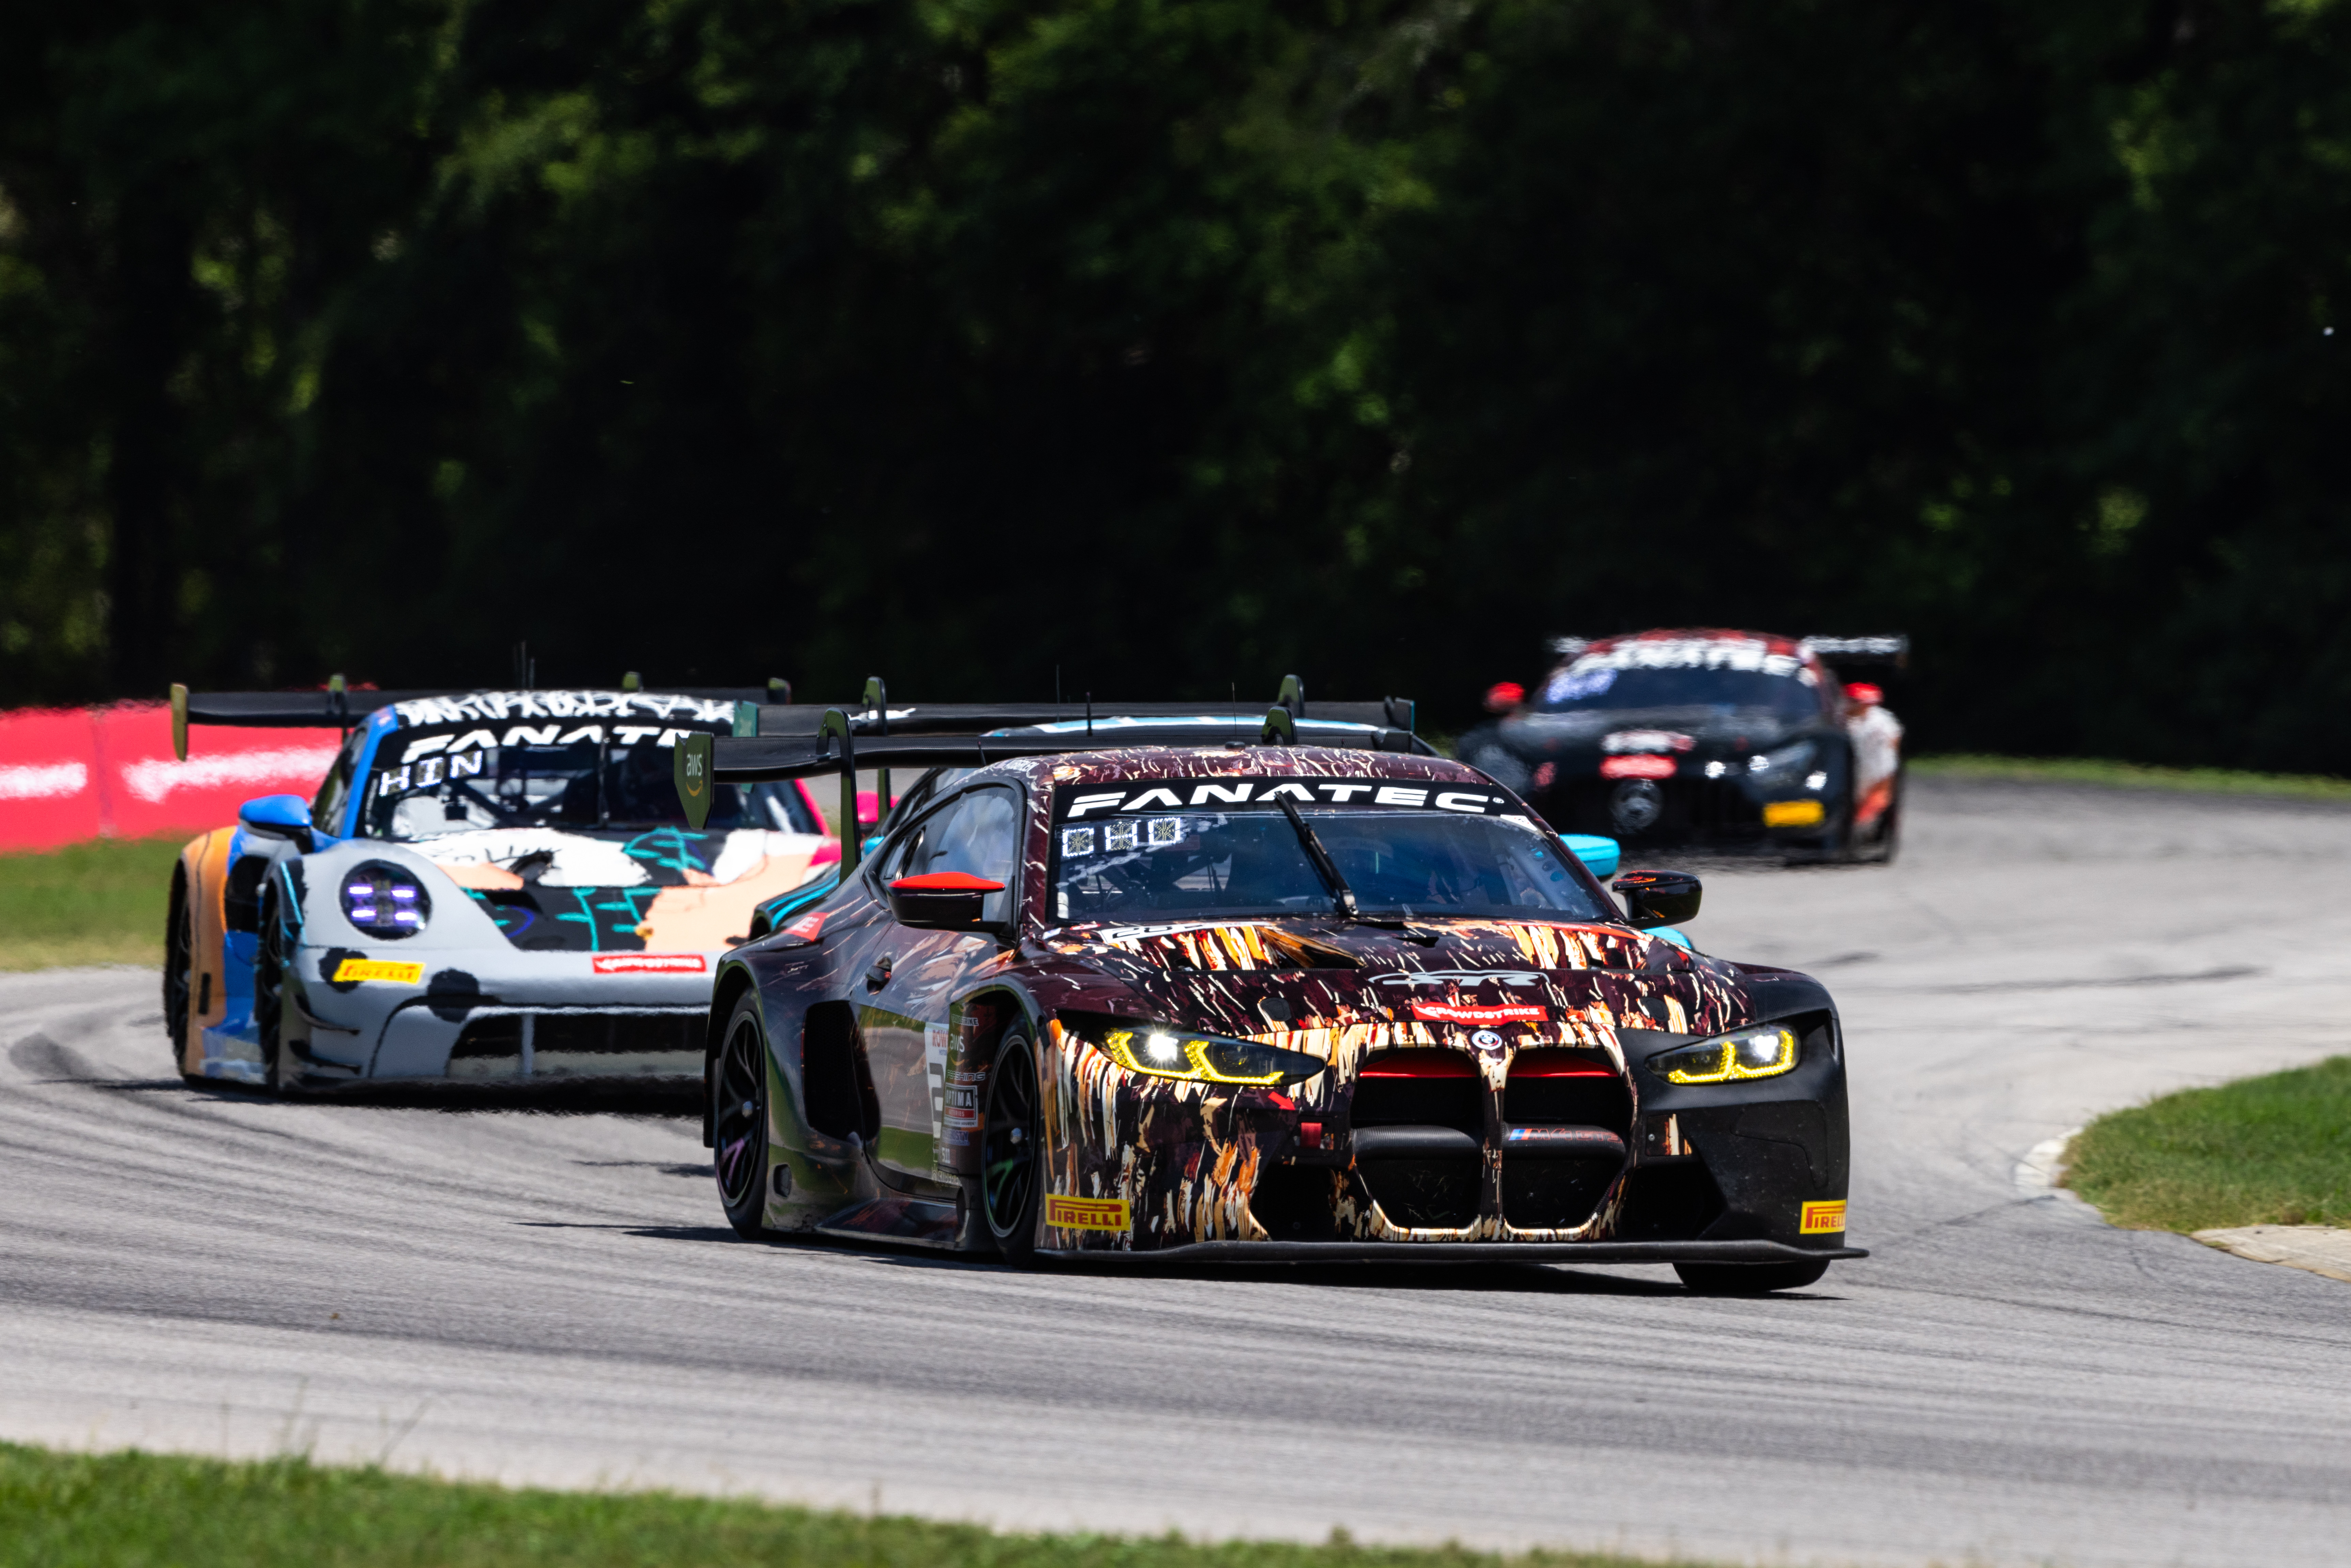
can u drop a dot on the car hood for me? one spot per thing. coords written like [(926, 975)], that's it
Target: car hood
[(1338, 988), (665, 889)]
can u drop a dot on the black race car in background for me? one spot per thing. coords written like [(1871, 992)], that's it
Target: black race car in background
[(1721, 739)]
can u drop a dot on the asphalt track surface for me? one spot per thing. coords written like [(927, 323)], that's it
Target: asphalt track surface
[(547, 1298)]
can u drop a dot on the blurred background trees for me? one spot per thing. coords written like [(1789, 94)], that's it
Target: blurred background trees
[(1163, 347)]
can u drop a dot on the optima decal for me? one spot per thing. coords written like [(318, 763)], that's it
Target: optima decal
[(1462, 1012), (398, 974), (1088, 1214), (1823, 1218), (648, 963), (1244, 794)]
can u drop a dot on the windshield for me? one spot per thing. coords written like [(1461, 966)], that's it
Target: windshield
[(1718, 675), (1398, 863), (431, 781)]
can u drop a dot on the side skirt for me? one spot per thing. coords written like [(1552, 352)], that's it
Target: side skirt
[(1470, 1252)]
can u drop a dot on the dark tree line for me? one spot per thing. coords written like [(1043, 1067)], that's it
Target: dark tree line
[(1172, 345)]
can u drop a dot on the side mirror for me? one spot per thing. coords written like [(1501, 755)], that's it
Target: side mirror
[(943, 901), (277, 817), (1861, 693), (1504, 696), (1658, 897)]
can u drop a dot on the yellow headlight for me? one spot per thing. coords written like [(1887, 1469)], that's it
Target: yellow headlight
[(1765, 1051), (1166, 1052)]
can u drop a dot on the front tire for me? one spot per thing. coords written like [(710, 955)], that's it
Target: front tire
[(738, 1118), (279, 1071), (1747, 1279), (1011, 1153)]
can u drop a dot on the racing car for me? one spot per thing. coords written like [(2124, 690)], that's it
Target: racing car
[(488, 886), (1159, 1000), (1731, 740)]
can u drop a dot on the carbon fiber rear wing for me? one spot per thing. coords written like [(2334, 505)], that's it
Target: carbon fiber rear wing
[(338, 707), (1846, 653), (800, 741)]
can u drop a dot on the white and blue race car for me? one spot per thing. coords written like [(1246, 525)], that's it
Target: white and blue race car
[(488, 886)]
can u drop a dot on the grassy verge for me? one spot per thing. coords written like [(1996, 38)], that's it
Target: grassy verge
[(65, 1509), (99, 903), (2132, 775), (2264, 1151)]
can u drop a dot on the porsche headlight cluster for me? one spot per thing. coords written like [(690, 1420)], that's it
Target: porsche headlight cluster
[(1163, 1050), (385, 901), (1765, 1051), (1786, 760)]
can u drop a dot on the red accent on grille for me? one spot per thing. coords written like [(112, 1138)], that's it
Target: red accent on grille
[(1419, 1064), (1556, 1064)]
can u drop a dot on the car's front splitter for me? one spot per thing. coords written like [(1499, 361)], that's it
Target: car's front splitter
[(1470, 1253)]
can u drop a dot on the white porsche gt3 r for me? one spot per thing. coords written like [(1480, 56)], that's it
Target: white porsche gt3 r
[(499, 885)]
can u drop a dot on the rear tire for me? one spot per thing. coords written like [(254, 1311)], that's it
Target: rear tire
[(1011, 1153), (1747, 1279), (1889, 832), (738, 1118), (180, 971)]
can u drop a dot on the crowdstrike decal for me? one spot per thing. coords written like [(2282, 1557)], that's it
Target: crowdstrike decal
[(1463, 1012), (648, 963)]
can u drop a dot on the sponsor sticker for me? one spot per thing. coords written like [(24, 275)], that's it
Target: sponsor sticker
[(1791, 813), (1086, 1213), (1823, 1218), (807, 926), (1465, 1012), (399, 974), (648, 963), (1640, 765), (1595, 1137), (1107, 805), (1629, 740)]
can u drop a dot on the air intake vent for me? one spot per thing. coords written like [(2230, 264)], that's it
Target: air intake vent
[(1420, 1088)]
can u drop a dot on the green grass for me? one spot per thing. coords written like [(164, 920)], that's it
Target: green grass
[(61, 1511), (2132, 775), (99, 903), (2262, 1151)]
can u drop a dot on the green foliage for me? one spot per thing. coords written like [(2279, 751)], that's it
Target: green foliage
[(129, 1510), (99, 903), (1172, 347), (2264, 1151), (2131, 776)]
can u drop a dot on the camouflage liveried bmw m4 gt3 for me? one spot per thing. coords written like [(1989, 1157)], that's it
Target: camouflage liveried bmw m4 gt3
[(1266, 1001)]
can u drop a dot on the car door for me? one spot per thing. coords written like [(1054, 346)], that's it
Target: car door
[(908, 988)]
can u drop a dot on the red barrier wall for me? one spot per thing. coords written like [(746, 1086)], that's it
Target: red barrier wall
[(68, 774)]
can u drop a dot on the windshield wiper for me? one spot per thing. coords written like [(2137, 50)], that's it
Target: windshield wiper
[(1344, 895), (1323, 863)]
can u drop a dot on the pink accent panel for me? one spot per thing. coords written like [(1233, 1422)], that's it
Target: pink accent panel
[(74, 774), (48, 778)]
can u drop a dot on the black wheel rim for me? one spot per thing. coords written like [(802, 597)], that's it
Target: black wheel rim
[(1007, 1150), (740, 1120)]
